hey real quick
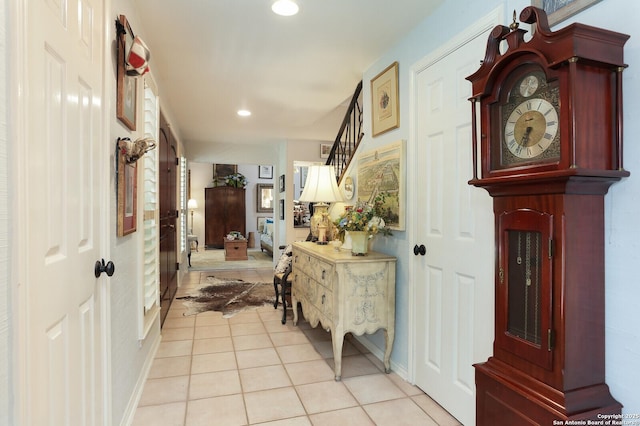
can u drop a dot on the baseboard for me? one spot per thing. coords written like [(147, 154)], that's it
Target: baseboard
[(379, 354), (130, 412)]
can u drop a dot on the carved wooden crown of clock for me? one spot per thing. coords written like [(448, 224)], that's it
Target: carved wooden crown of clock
[(550, 104), (550, 146)]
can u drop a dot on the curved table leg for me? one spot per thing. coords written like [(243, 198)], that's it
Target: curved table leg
[(337, 339), (388, 337), (294, 304)]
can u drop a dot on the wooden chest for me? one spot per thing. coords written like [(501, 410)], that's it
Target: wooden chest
[(235, 249)]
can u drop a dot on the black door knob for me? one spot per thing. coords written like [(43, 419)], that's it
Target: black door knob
[(109, 268), (419, 250)]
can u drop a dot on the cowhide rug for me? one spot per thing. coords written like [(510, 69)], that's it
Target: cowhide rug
[(228, 295)]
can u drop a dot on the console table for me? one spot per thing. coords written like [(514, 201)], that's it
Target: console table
[(345, 294), (235, 249)]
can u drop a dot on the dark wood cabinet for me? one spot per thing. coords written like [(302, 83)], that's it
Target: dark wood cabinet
[(224, 211)]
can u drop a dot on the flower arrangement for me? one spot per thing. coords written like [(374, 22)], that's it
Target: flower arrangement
[(237, 180), (364, 217), (235, 235)]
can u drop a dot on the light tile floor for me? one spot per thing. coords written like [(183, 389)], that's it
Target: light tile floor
[(251, 369)]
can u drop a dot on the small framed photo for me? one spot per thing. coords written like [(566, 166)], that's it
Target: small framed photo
[(265, 172), (281, 183), (281, 209), (325, 150), (385, 108)]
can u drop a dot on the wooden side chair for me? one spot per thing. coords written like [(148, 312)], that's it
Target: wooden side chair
[(282, 281)]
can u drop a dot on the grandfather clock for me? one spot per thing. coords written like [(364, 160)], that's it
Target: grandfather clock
[(550, 146)]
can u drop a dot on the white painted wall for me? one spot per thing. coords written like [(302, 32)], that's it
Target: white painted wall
[(622, 202), (6, 378), (130, 357)]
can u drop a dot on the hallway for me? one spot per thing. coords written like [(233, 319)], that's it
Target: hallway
[(250, 369)]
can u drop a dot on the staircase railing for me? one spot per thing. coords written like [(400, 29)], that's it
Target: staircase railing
[(349, 135)]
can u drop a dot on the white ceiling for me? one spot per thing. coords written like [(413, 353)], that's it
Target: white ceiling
[(296, 74)]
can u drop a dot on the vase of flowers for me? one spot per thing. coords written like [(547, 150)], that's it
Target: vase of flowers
[(237, 180), (363, 221)]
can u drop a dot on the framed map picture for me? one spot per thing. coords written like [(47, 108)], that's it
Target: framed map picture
[(382, 171)]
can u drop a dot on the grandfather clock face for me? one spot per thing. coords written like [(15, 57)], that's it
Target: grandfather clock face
[(527, 118)]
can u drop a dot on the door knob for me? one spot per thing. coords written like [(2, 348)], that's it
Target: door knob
[(101, 267), (419, 250)]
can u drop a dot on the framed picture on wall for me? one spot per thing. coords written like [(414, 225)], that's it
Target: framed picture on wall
[(559, 10), (126, 86), (127, 196), (264, 198), (222, 170), (281, 209), (281, 183), (385, 108), (325, 150), (381, 171), (265, 172)]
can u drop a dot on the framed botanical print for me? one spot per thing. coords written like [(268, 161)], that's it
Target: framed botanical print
[(385, 108), (126, 86)]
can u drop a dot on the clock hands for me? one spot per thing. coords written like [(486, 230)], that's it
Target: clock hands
[(527, 133)]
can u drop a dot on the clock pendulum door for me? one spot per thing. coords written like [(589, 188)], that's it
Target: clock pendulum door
[(523, 320)]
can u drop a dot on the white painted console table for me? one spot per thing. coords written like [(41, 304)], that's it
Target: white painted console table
[(345, 294)]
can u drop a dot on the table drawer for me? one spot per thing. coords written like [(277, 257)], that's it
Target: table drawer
[(319, 296), (316, 269)]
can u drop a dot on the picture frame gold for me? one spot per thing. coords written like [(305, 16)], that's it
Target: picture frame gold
[(127, 196), (264, 198), (559, 10), (385, 106), (126, 86)]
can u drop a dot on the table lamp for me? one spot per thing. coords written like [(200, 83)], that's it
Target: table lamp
[(321, 188), (192, 204)]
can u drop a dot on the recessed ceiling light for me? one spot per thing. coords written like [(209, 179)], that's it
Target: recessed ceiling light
[(244, 112), (285, 7)]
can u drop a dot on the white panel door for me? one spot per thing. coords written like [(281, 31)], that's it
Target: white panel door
[(65, 154), (453, 302)]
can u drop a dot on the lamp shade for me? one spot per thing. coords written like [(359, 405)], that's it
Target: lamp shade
[(321, 185), (192, 204)]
